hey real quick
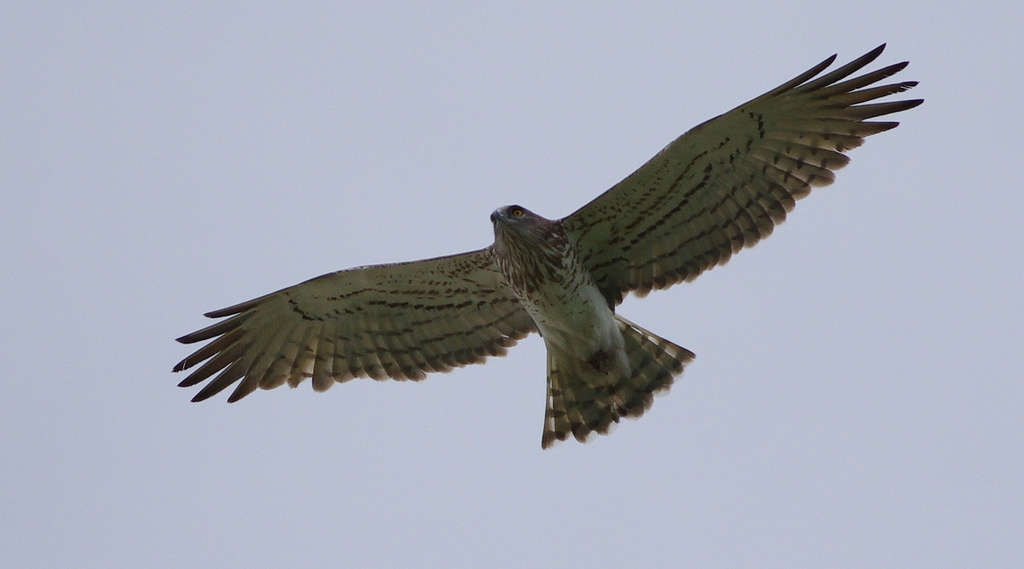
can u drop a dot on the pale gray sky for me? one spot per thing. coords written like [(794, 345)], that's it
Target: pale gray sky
[(855, 402)]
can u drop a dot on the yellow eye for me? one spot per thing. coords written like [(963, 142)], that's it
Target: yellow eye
[(517, 212)]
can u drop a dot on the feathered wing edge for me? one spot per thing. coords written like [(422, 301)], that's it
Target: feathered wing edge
[(400, 321), (726, 183)]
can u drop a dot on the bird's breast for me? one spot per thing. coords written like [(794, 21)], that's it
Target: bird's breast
[(576, 319)]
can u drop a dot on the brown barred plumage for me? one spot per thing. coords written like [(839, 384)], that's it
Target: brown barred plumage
[(722, 186)]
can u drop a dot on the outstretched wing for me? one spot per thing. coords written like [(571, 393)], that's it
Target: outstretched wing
[(399, 320), (726, 183)]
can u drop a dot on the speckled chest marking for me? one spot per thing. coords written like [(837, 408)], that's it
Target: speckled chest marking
[(560, 295)]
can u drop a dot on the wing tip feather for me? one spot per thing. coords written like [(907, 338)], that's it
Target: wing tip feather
[(200, 397), (187, 339), (873, 53), (881, 126), (911, 103)]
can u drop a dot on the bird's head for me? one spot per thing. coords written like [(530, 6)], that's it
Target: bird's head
[(513, 215), (515, 222)]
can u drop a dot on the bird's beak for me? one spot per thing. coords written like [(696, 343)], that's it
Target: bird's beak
[(494, 216)]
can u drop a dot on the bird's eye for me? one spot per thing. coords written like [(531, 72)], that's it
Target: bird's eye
[(517, 212)]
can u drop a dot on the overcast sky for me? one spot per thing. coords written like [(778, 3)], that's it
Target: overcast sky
[(856, 398)]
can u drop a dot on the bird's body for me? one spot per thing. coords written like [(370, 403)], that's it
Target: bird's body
[(592, 381), (554, 288), (722, 186)]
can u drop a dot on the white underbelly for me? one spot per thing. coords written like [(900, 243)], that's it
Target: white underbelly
[(578, 323)]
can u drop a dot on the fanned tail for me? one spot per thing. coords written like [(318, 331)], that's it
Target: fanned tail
[(582, 399)]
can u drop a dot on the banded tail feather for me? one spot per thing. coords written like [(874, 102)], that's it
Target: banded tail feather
[(581, 400)]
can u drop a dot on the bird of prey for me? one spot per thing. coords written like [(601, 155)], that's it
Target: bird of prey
[(716, 189)]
